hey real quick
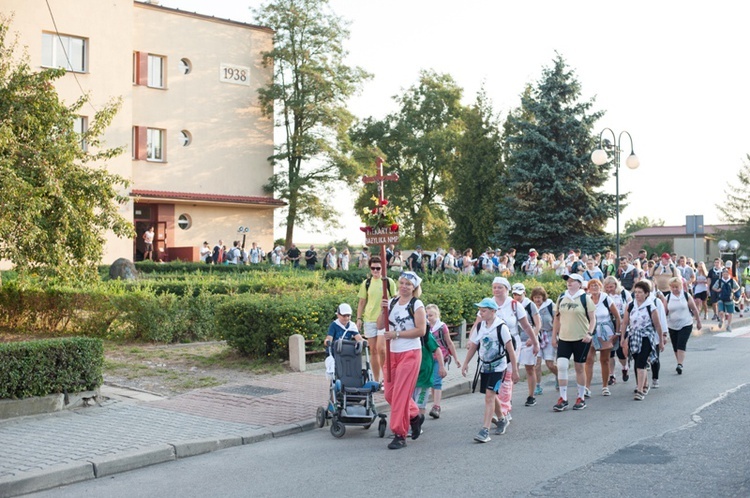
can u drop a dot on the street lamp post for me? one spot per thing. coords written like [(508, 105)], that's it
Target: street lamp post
[(600, 158)]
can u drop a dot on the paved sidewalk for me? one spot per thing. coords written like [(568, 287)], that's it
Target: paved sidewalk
[(133, 429)]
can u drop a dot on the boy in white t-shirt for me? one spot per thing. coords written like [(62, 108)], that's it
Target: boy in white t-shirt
[(492, 359)]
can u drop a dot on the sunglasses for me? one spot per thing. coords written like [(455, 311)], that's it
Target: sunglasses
[(376, 268)]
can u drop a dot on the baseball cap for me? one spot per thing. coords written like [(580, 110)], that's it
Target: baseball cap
[(518, 288), (665, 255), (344, 309), (574, 276), (487, 302), (532, 251)]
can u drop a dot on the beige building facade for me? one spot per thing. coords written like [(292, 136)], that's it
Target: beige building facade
[(196, 144)]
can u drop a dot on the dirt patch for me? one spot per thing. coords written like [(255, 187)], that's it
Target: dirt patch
[(175, 369)]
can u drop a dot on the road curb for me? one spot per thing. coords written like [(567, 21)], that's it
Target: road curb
[(38, 480), (136, 459), (200, 446)]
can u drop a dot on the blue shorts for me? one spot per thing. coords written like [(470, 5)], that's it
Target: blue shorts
[(437, 380), (726, 306)]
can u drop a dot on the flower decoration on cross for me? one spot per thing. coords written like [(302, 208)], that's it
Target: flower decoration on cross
[(382, 216)]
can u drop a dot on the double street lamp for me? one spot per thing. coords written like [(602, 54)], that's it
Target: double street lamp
[(600, 157)]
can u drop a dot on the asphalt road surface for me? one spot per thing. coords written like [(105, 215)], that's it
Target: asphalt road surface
[(690, 437)]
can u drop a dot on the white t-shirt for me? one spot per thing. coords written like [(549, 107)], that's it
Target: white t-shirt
[(511, 318), (602, 309), (679, 313), (489, 348), (399, 319)]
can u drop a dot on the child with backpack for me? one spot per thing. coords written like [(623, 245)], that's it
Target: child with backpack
[(495, 346), (442, 336), (431, 372)]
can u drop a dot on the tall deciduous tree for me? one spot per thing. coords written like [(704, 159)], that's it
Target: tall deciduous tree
[(551, 201), (418, 142), (632, 226), (735, 206), (307, 98), (56, 199), (477, 186)]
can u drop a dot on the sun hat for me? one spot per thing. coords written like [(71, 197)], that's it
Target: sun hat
[(503, 281), (344, 309), (487, 302), (411, 277), (574, 276)]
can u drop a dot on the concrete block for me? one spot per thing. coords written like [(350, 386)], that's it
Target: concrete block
[(199, 446), (136, 459), (257, 436), (297, 353), (50, 477), (10, 408)]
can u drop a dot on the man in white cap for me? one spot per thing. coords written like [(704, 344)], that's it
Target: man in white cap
[(572, 331)]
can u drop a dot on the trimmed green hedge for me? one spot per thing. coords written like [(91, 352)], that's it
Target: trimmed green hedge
[(50, 366)]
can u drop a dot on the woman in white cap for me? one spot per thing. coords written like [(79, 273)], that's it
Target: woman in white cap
[(408, 322), (572, 330), (526, 347), (342, 327)]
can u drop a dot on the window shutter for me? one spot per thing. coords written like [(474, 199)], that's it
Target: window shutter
[(140, 143), (141, 68)]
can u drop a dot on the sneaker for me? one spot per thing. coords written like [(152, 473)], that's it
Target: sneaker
[(612, 380), (580, 404), (587, 392), (714, 317), (625, 375), (494, 419), (502, 425), (509, 416), (721, 323), (561, 405), (397, 443), (538, 390), (655, 384), (416, 426), (638, 396), (679, 369), (645, 390), (605, 391), (483, 436), (729, 328), (530, 401), (435, 412)]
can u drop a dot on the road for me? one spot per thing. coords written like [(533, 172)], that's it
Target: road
[(691, 437)]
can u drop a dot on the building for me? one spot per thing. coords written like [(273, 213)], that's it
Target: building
[(197, 146), (700, 248)]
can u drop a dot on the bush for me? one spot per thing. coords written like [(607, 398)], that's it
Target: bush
[(260, 326), (50, 366)]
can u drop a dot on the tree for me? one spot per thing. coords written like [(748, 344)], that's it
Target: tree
[(735, 206), (550, 201), (632, 226), (476, 175), (418, 142), (56, 198), (310, 87)]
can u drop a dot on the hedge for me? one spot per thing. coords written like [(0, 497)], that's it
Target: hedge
[(50, 366)]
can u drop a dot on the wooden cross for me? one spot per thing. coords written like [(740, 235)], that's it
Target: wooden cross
[(380, 179)]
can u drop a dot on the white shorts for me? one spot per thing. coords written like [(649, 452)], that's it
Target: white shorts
[(371, 330), (526, 355), (547, 353)]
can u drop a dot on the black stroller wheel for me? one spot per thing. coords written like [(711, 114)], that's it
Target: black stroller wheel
[(320, 417), (337, 428), (381, 427)]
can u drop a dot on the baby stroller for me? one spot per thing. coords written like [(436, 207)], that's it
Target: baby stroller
[(351, 392)]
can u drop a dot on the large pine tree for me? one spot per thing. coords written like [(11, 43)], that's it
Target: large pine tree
[(735, 206), (472, 203), (551, 200)]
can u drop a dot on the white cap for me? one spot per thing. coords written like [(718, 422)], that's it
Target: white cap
[(518, 288), (344, 309)]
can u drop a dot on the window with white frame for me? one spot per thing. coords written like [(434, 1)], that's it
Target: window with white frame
[(154, 144), (68, 52), (155, 71), (80, 125)]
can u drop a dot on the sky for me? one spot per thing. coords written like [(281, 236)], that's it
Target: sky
[(672, 74)]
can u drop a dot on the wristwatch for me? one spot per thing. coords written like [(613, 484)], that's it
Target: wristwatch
[(397, 334)]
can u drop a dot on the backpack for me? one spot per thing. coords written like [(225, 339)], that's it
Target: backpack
[(368, 281), (478, 265), (447, 357), (326, 263), (502, 352), (628, 279), (726, 290), (582, 297)]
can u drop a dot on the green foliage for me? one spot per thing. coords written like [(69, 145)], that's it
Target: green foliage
[(57, 200), (632, 226), (659, 248), (476, 178), (735, 206), (309, 91), (550, 201), (39, 368), (419, 144)]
